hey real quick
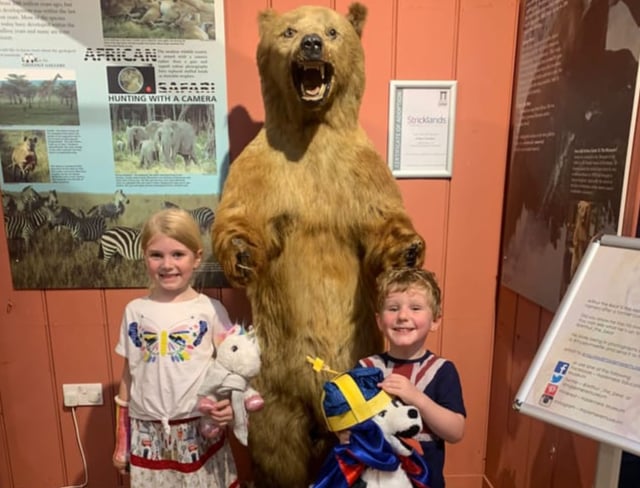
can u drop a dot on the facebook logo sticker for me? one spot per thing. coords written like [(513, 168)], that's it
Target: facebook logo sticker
[(561, 367)]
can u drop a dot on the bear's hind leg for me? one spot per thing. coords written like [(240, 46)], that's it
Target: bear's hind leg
[(280, 444)]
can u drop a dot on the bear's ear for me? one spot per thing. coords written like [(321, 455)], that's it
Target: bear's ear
[(264, 19), (357, 15)]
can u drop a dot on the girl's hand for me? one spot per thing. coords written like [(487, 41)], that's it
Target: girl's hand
[(221, 412), (121, 465), (399, 386)]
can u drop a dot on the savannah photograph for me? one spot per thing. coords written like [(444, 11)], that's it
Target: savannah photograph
[(38, 97), (168, 19)]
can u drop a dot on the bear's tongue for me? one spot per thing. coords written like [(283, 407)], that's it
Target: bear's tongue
[(312, 83)]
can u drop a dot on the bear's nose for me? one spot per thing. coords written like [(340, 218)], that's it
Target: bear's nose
[(413, 413), (311, 45)]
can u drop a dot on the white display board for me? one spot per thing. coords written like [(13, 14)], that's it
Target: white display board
[(585, 376)]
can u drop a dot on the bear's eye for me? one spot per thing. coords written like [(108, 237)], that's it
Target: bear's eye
[(234, 348), (332, 33), (289, 32)]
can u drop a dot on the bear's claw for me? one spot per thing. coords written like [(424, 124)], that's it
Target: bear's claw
[(243, 263), (411, 255)]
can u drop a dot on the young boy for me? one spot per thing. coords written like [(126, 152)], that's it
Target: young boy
[(408, 309)]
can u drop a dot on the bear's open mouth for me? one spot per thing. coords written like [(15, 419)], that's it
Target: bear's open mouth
[(312, 79)]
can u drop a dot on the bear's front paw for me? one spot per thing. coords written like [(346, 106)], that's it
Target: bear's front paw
[(244, 269), (413, 252)]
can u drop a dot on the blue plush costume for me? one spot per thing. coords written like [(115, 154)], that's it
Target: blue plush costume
[(350, 401)]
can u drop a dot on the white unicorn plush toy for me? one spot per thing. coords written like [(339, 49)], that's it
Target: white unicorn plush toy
[(237, 362)]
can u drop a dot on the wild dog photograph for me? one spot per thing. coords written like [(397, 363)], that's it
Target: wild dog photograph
[(24, 156), (170, 19), (38, 97), (82, 240), (163, 139)]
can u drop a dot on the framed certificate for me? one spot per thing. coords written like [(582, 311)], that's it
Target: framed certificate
[(421, 128)]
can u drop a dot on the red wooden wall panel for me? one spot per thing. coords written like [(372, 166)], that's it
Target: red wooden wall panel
[(543, 441), (81, 354), (426, 33), (484, 85), (496, 466)]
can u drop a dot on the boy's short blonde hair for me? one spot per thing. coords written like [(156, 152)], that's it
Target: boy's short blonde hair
[(401, 279), (175, 223)]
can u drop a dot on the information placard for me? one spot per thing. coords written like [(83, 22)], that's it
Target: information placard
[(585, 376)]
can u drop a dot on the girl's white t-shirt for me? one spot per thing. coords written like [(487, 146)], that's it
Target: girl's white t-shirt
[(169, 347)]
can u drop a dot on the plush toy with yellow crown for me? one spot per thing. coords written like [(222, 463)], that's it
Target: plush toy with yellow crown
[(377, 454)]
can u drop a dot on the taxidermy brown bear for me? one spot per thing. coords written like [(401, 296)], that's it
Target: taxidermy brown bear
[(309, 216)]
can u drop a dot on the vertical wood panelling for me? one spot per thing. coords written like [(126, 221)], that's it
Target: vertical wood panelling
[(115, 301), (246, 112), (496, 467), (543, 437), (284, 5), (525, 344), (378, 45), (419, 55), (5, 466), (426, 203), (81, 354), (30, 407), (473, 231), (426, 40), (575, 462), (5, 292)]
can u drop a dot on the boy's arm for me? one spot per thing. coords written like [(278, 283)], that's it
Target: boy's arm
[(444, 423)]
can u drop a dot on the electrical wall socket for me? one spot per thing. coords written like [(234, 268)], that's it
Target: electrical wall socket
[(82, 394)]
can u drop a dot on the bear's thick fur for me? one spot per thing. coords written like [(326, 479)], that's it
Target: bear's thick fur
[(309, 216)]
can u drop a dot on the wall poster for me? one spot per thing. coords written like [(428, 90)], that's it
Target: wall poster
[(109, 111), (573, 117)]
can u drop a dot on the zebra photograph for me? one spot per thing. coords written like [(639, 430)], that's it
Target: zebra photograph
[(68, 240), (120, 243), (203, 216)]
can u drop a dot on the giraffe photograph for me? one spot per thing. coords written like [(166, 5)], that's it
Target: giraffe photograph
[(38, 97)]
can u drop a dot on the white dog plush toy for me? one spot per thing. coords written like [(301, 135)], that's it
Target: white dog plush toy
[(237, 361), (377, 454)]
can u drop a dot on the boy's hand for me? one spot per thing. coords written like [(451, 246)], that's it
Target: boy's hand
[(401, 387), (344, 436)]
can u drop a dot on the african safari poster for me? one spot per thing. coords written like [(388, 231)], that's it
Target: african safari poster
[(109, 111), (576, 72)]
